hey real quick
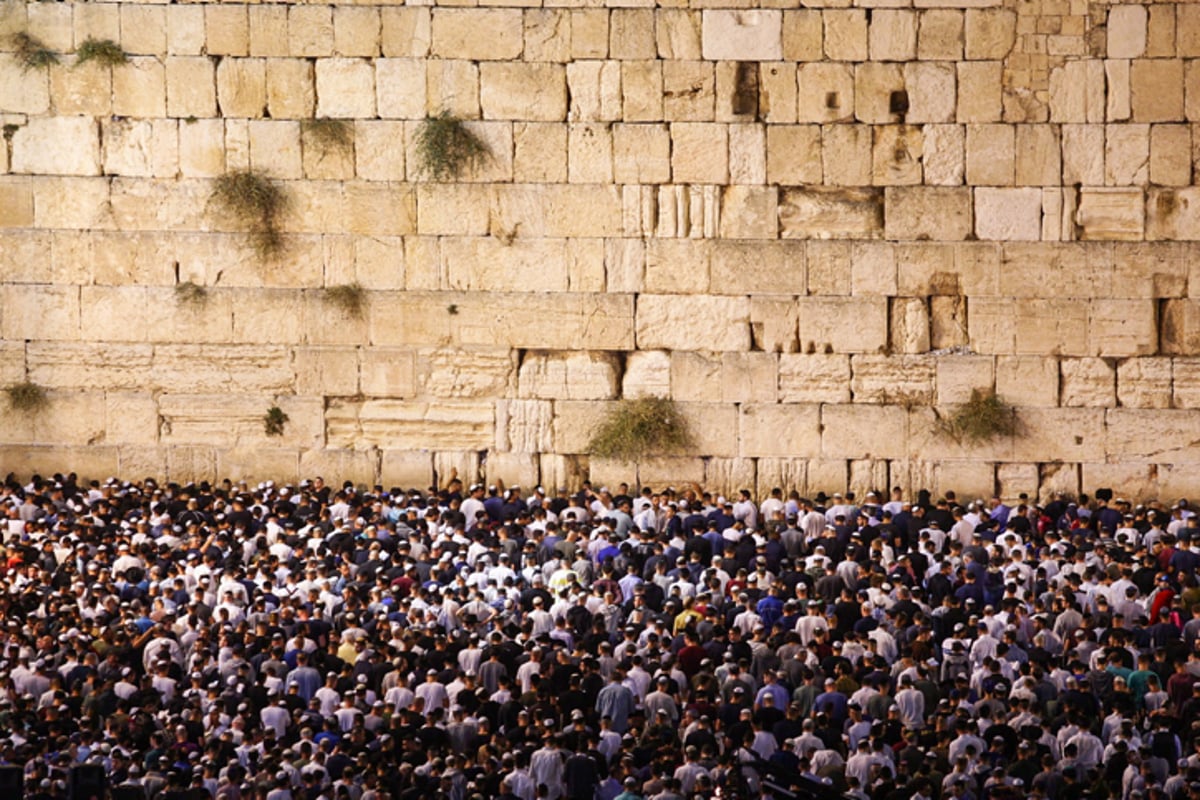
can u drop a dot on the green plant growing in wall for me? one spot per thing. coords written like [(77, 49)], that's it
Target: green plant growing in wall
[(328, 134), (258, 203), (26, 397), (446, 148), (351, 298), (635, 429), (981, 419), (31, 53), (103, 51), (274, 420), (192, 294)]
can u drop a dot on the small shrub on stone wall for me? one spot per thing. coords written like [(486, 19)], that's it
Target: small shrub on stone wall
[(190, 293), (274, 421), (982, 418), (26, 396), (351, 298), (256, 202), (446, 148), (103, 51), (635, 429), (31, 53), (329, 134)]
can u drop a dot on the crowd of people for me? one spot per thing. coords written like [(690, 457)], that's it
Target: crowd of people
[(315, 642)]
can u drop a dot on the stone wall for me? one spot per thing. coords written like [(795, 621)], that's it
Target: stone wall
[(817, 226)]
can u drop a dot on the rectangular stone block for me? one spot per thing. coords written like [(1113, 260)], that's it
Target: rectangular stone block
[(1156, 89), (1150, 436), (843, 324), (893, 380), (1111, 214), (940, 37), (821, 213), (791, 431), (1087, 382), (979, 91), (1008, 214), (1038, 327), (568, 376), (57, 146), (863, 431), (826, 92), (927, 212), (518, 91), (679, 323), (846, 155), (846, 35), (1126, 155), (1185, 377), (742, 35), (406, 31), (1122, 328), (445, 425), (1144, 383), (892, 35), (875, 92), (814, 378), (959, 376), (455, 33)]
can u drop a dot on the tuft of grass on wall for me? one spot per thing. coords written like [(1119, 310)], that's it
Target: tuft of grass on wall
[(351, 298), (981, 419), (256, 202), (103, 51), (31, 53), (329, 134), (446, 148), (26, 396), (274, 421), (636, 429)]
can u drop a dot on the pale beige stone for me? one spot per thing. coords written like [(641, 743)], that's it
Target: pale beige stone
[(400, 88), (1126, 155), (406, 32), (448, 425), (802, 35), (944, 161), (876, 89), (826, 92), (934, 213), (310, 31), (202, 148), (1008, 214), (1173, 214), (863, 431), (356, 31), (1144, 383), (28, 92), (241, 87), (843, 324), (845, 35), (814, 378), (547, 35), (742, 35), (677, 322), (749, 212), (455, 33), (1089, 382), (896, 155), (791, 430), (1170, 155), (959, 376), (1030, 329), (474, 373), (892, 35), (846, 155), (774, 324), (275, 148), (226, 30), (631, 34), (1126, 31), (688, 91), (753, 267), (991, 155), (940, 37), (143, 30), (57, 146), (641, 154), (1116, 74), (345, 88), (647, 374), (191, 87), (931, 92), (1156, 90), (526, 92), (139, 88), (1151, 435), (747, 154), (830, 213), (291, 93), (777, 99), (1038, 156), (829, 267), (1083, 154), (793, 154), (699, 153), (269, 31), (1122, 327), (1185, 382), (990, 33), (642, 90), (589, 33), (979, 91), (1111, 214), (909, 325), (589, 153)]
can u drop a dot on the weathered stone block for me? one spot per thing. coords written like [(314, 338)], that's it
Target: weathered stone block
[(310, 31), (819, 213), (876, 88), (1126, 155), (1151, 435), (641, 154), (678, 323), (892, 35), (345, 88), (1156, 88), (743, 35), (843, 325), (926, 212), (1185, 388), (909, 325), (406, 31), (518, 91), (863, 431), (1113, 214), (940, 37), (242, 87), (699, 153), (1180, 328), (1173, 214), (631, 34), (896, 155), (990, 33), (749, 212), (846, 155), (846, 35), (1126, 31), (790, 431), (1122, 327), (931, 92), (959, 376), (455, 33), (1170, 155), (449, 425), (226, 30), (991, 155), (57, 146), (1008, 214), (1087, 382), (356, 31), (979, 91), (569, 376), (826, 92), (647, 374), (1144, 383), (814, 378), (1062, 434), (893, 380)]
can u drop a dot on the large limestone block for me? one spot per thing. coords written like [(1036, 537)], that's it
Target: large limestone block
[(991, 155), (893, 35), (846, 155), (1038, 156), (568, 376), (95, 366), (896, 155), (234, 420), (931, 92), (185, 30), (1173, 214), (642, 90), (1034, 270), (944, 155), (777, 97), (774, 324), (843, 324), (641, 154), (1156, 88), (742, 267), (23, 92), (893, 380), (784, 473), (452, 87), (519, 91), (222, 368), (1153, 269), (793, 154), (1038, 327), (515, 469), (1127, 155), (359, 466), (830, 267), (1144, 383), (1008, 214), (1083, 154), (480, 372), (558, 210), (873, 269), (242, 87), (356, 31), (1180, 327), (928, 212), (739, 377), (803, 36), (968, 478), (455, 33), (540, 152), (406, 468), (1063, 434), (400, 88), (1126, 31), (548, 35), (1117, 108), (68, 418), (1111, 214), (589, 153), (559, 321), (631, 34), (990, 33), (1122, 328), (331, 370), (40, 312), (487, 264), (786, 431), (699, 153), (16, 204), (927, 435), (140, 88), (979, 91), (405, 31), (863, 431), (191, 87), (57, 146), (689, 91), (1027, 380), (867, 474), (826, 92), (814, 378), (749, 212), (418, 425), (878, 89), (269, 31), (910, 329), (742, 35), (1077, 92), (940, 37), (846, 35), (678, 266), (1152, 435), (130, 418), (389, 372), (820, 213), (1170, 155), (1185, 377), (959, 376), (595, 91), (647, 374), (345, 88), (226, 30), (1087, 382), (726, 475), (684, 322)]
